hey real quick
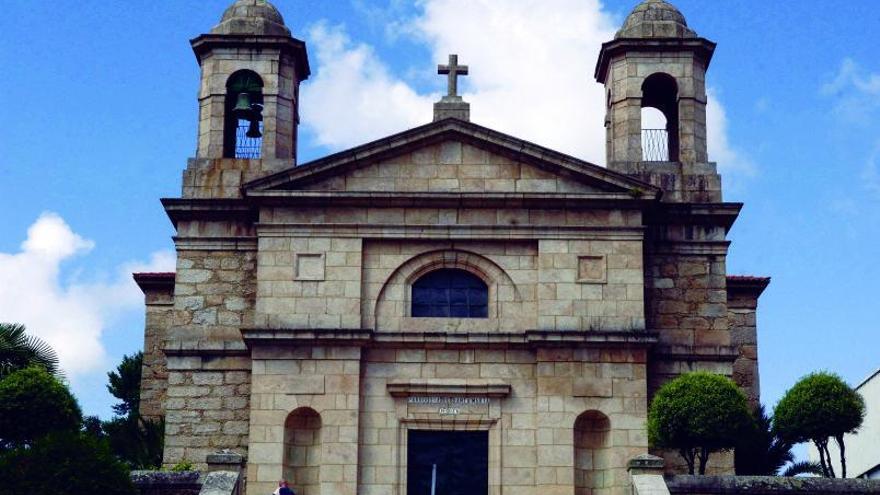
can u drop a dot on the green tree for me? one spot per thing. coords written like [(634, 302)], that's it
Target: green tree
[(125, 384), (34, 403), (762, 452), (64, 463), (18, 350), (136, 441), (820, 406), (697, 414)]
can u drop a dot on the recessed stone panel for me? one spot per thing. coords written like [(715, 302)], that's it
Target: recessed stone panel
[(592, 270), (309, 266)]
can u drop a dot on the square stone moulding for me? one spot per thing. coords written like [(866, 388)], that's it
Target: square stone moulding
[(309, 266), (592, 269)]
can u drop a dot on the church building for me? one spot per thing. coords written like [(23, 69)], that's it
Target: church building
[(451, 306)]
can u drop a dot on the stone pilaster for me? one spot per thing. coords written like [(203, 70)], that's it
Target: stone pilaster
[(158, 291), (742, 304)]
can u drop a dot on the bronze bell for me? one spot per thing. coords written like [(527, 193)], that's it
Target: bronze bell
[(243, 108), (254, 129)]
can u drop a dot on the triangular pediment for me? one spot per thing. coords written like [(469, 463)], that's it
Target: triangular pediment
[(451, 156)]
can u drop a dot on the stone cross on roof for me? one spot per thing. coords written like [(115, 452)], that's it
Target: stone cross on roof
[(453, 70), (451, 105)]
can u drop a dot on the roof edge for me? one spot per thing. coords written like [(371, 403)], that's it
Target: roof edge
[(154, 281), (527, 150)]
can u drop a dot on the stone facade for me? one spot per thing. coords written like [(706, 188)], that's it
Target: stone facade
[(288, 332)]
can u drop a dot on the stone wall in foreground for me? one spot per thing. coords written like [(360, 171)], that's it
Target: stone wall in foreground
[(768, 485)]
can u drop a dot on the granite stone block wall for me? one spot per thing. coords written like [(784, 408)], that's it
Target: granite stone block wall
[(207, 409)]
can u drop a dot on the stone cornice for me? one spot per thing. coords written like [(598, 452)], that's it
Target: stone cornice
[(439, 386), (433, 231), (450, 199), (695, 353), (743, 291), (712, 214), (701, 46), (285, 44), (689, 248), (154, 282), (527, 339), (179, 209), (244, 243), (201, 347)]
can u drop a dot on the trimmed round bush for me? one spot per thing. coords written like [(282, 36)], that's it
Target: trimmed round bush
[(697, 414)]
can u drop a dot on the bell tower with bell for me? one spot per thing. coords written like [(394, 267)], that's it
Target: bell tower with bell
[(249, 93), (654, 72)]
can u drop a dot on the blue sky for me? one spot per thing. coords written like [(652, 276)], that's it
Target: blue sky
[(99, 101)]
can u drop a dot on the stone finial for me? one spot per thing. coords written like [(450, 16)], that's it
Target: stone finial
[(645, 464), (452, 105), (224, 460)]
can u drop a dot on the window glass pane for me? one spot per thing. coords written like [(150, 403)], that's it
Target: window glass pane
[(459, 311), (479, 312), (480, 297), (450, 293), (421, 297), (458, 296)]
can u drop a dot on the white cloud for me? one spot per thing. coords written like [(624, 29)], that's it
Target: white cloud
[(532, 65), (531, 75), (70, 316), (731, 161), (353, 98), (857, 92)]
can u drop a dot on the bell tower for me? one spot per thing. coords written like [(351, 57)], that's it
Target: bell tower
[(654, 72), (249, 92)]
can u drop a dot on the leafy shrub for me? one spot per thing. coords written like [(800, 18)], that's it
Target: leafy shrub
[(182, 466), (34, 403), (697, 414), (64, 463), (818, 407)]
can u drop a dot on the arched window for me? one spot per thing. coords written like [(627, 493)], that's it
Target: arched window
[(660, 125), (450, 293), (243, 120)]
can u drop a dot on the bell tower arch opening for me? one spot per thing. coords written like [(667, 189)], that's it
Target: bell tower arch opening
[(243, 115), (659, 118)]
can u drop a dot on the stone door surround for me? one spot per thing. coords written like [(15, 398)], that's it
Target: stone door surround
[(449, 405)]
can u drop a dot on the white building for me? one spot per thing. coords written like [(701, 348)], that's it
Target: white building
[(862, 448)]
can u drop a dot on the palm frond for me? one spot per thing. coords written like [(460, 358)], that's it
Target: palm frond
[(19, 350), (803, 467)]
